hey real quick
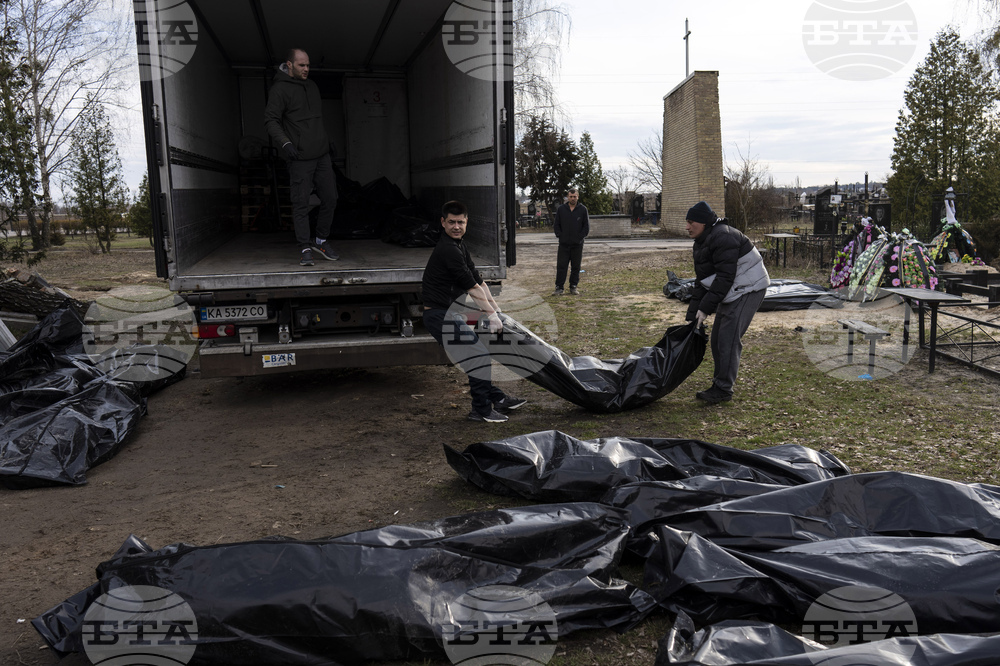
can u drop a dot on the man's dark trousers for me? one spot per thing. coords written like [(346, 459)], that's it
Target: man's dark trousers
[(448, 330), (568, 254), (304, 175)]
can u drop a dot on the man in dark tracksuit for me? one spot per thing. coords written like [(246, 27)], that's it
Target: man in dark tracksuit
[(731, 283), (449, 274), (294, 120), (571, 226)]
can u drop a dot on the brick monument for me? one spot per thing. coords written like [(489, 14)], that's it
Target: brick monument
[(692, 149)]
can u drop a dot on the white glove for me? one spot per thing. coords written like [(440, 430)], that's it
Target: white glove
[(495, 324), (699, 319)]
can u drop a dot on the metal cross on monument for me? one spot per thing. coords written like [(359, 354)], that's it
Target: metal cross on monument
[(687, 33)]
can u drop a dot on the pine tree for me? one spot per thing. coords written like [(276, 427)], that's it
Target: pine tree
[(140, 214), (17, 156), (98, 185), (594, 193), (545, 161), (943, 133)]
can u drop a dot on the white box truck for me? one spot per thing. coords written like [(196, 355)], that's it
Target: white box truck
[(415, 94)]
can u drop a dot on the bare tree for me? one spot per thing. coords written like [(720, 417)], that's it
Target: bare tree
[(624, 182), (540, 29), (751, 198), (647, 162), (75, 48)]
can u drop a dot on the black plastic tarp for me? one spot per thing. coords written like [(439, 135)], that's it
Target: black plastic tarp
[(950, 583), (606, 386), (781, 294), (869, 504), (742, 643), (797, 295), (375, 595), (553, 466), (63, 411)]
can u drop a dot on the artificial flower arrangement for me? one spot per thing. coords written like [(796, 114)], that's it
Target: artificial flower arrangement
[(847, 258), (893, 260), (975, 261), (952, 233)]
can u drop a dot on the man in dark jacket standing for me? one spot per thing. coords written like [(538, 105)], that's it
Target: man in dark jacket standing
[(294, 120), (731, 283), (572, 226)]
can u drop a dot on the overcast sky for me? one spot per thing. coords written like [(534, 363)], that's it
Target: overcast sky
[(622, 58)]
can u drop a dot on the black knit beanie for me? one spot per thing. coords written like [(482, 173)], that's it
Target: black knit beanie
[(702, 212)]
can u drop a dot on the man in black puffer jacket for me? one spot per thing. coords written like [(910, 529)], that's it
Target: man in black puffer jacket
[(731, 283), (294, 119)]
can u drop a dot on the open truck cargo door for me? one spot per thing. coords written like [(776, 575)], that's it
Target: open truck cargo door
[(417, 99)]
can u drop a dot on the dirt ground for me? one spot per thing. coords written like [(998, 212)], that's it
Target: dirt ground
[(306, 455)]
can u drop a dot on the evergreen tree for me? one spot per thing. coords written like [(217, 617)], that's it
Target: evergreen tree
[(17, 157), (545, 161), (594, 193), (98, 185), (943, 135), (140, 214)]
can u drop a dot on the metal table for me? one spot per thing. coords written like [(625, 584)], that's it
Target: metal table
[(784, 256), (923, 297)]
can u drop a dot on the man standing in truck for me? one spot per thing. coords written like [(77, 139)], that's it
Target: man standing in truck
[(571, 226), (294, 120), (449, 273)]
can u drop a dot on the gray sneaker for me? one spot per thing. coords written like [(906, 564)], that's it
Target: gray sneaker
[(557, 292), (326, 251), (509, 403), (307, 258), (574, 291), (493, 417)]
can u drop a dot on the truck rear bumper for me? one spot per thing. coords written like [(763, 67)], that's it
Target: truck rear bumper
[(355, 351)]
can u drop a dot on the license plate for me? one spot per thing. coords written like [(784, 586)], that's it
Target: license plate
[(234, 313), (278, 360)]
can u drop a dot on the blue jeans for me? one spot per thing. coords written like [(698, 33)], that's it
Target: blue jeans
[(449, 329)]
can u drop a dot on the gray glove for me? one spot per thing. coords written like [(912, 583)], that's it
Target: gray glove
[(290, 151)]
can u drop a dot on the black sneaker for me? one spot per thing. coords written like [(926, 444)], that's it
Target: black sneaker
[(307, 258), (714, 395), (574, 291), (326, 251), (493, 417), (509, 403), (557, 292)]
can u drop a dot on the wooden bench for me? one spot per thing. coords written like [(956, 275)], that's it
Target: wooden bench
[(870, 333)]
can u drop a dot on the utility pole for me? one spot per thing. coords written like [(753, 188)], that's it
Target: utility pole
[(687, 33)]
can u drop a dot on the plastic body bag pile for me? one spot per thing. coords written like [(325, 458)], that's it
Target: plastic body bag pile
[(728, 537), (605, 386), (63, 411)]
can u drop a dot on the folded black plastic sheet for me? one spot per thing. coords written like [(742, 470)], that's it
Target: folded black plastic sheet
[(741, 643), (797, 295), (376, 595), (869, 504), (651, 503), (411, 227), (63, 411), (949, 583), (57, 444), (606, 386), (679, 288), (553, 466)]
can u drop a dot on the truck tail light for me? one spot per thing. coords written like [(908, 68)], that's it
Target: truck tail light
[(203, 331)]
